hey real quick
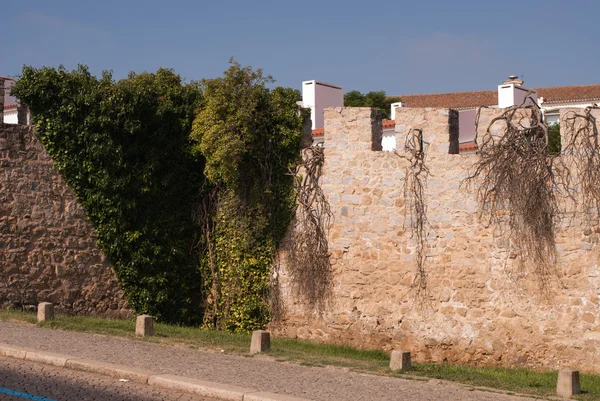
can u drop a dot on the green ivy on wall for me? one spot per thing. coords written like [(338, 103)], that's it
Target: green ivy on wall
[(124, 149), (190, 209)]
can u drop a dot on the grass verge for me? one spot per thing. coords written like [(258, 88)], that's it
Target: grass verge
[(522, 381)]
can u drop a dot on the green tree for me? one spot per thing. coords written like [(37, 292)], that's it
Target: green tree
[(354, 99), (371, 99), (124, 149), (554, 143), (249, 137)]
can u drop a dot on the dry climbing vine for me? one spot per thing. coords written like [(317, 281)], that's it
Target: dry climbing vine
[(311, 270), (582, 154), (518, 181), (415, 181), (203, 216)]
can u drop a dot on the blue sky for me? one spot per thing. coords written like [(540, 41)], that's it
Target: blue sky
[(402, 47)]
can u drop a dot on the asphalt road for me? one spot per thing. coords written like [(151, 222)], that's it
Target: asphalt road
[(23, 380)]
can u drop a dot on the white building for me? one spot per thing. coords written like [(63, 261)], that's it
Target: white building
[(510, 92), (10, 102)]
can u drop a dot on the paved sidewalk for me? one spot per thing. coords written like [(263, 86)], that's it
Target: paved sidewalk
[(259, 372)]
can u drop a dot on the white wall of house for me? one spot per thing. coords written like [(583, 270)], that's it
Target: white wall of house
[(552, 110), (10, 116), (552, 118), (388, 140), (10, 102)]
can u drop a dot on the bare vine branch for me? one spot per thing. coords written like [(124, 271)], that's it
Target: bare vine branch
[(415, 182), (582, 153), (518, 180), (204, 217), (310, 268)]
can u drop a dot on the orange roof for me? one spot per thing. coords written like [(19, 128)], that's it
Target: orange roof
[(570, 93), (468, 146), (10, 106), (454, 100), (318, 132), (464, 100)]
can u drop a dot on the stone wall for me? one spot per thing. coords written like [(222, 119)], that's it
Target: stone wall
[(2, 100), (48, 249), (482, 306)]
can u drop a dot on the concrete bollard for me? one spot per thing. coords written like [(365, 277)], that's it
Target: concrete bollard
[(45, 312), (400, 360), (261, 341), (144, 326), (568, 383)]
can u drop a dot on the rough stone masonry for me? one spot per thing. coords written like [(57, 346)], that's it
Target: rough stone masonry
[(2, 81), (481, 307), (48, 248)]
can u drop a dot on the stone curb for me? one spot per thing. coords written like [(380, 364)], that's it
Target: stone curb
[(265, 396), (200, 387), (110, 369), (13, 352), (48, 358)]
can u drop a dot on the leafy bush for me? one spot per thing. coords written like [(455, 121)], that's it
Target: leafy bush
[(249, 136)]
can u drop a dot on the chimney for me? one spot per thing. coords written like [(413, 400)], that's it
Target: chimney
[(393, 111), (319, 95), (513, 93)]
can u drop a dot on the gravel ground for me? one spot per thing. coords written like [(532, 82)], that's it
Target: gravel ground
[(61, 384), (261, 373)]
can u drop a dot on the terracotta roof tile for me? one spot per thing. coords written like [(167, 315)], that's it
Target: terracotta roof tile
[(468, 146), (570, 93), (463, 100), (318, 132), (10, 106), (455, 100)]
